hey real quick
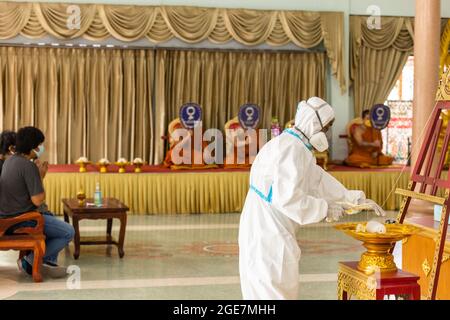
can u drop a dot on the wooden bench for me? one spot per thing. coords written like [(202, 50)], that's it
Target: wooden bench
[(25, 239)]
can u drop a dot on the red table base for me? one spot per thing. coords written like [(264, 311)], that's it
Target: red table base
[(353, 282)]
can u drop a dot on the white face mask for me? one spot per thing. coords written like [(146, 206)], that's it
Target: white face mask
[(319, 141), (40, 152)]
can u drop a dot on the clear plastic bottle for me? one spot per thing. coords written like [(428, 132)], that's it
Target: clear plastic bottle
[(97, 195), (275, 129)]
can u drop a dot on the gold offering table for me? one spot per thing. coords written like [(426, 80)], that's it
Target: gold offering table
[(376, 274)]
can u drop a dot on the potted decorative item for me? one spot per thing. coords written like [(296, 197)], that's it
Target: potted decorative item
[(121, 163), (82, 162), (103, 163), (138, 163), (81, 196)]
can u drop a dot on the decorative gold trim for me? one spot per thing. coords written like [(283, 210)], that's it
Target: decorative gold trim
[(403, 204), (420, 196), (445, 258), (436, 239), (370, 262), (362, 287), (443, 91), (426, 267), (437, 258)]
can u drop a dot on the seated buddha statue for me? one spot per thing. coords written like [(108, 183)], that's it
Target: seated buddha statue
[(365, 144), (239, 149), (176, 149)]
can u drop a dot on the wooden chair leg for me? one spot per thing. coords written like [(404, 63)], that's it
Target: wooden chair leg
[(39, 251)]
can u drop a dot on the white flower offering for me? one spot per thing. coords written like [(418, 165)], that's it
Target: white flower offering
[(82, 160), (103, 161), (360, 228), (122, 160), (138, 161)]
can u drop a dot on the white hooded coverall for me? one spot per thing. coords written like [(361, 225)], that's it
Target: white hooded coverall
[(287, 188)]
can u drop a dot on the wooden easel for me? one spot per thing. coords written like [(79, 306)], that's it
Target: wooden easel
[(428, 183)]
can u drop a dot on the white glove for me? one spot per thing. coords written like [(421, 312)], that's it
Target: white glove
[(334, 213), (356, 196), (374, 206), (363, 204), (360, 202)]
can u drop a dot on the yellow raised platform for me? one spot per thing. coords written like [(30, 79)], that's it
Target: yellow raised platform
[(212, 191)]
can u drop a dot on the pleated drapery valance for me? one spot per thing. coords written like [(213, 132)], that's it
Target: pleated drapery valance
[(189, 24), (378, 57)]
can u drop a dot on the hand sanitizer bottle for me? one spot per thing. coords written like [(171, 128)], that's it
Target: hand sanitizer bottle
[(97, 195)]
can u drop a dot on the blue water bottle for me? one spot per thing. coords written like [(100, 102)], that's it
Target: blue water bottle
[(97, 195)]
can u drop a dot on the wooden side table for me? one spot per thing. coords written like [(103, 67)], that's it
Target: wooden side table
[(353, 282), (111, 209)]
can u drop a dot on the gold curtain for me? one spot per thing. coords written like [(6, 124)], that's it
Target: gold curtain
[(223, 81), (189, 24), (91, 102), (378, 57), (99, 102)]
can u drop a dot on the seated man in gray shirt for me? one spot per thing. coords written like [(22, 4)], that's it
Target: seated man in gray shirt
[(21, 190)]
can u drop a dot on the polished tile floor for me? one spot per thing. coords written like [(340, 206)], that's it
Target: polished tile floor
[(178, 257)]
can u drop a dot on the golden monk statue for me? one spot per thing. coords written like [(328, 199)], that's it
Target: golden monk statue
[(445, 120), (196, 161), (241, 146), (365, 144)]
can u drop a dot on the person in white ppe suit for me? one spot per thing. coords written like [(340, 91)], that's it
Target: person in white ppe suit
[(287, 189)]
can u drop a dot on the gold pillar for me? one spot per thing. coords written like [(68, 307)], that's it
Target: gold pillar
[(426, 67)]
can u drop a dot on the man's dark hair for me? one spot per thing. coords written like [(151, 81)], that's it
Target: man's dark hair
[(28, 138), (365, 113), (7, 139)]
